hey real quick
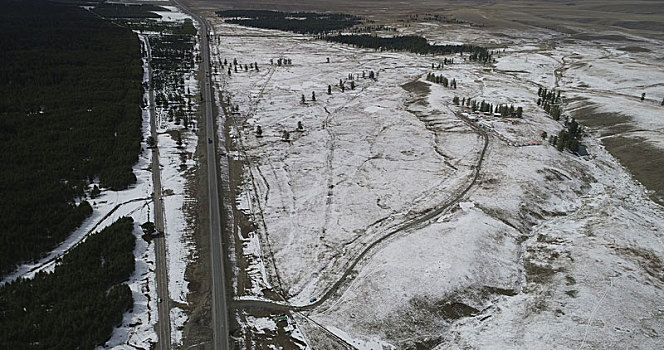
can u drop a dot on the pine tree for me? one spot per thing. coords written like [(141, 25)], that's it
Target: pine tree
[(329, 89), (302, 100), (313, 95)]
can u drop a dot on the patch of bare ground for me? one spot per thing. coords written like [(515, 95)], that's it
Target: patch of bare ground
[(643, 160), (197, 333), (277, 337), (634, 49), (646, 259)]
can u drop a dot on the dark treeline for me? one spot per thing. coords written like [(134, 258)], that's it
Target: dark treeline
[(77, 305), (127, 10), (412, 43), (298, 22), (69, 112)]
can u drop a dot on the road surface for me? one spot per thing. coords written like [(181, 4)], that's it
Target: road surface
[(161, 271), (219, 299)]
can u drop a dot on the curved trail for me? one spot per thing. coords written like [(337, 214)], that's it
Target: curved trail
[(347, 276)]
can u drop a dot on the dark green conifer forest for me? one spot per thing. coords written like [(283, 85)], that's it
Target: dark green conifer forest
[(78, 305), (70, 95)]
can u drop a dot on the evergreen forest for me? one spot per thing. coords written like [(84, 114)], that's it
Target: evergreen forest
[(78, 304), (298, 22), (412, 43), (70, 96)]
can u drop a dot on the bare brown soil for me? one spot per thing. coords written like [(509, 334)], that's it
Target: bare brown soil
[(197, 333), (643, 160)]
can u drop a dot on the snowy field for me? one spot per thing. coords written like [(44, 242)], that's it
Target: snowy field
[(546, 250)]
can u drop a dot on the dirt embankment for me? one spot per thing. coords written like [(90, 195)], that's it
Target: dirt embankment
[(643, 160)]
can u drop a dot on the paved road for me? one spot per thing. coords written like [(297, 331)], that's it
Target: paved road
[(161, 270), (219, 299)]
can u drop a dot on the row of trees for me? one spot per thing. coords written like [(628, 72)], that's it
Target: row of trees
[(411, 43), (442, 64), (79, 303), (505, 111), (298, 22), (439, 79), (550, 101), (69, 113)]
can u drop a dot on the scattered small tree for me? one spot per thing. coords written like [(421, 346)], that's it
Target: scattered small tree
[(328, 60), (313, 95), (643, 96), (259, 131), (352, 85), (544, 135), (299, 125), (94, 193), (149, 227), (329, 89), (285, 136), (302, 101)]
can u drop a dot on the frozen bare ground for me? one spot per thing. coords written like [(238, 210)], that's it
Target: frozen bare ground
[(546, 250)]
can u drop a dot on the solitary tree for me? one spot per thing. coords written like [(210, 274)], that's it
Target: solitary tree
[(329, 89), (299, 125), (328, 60), (313, 95), (259, 131), (148, 227)]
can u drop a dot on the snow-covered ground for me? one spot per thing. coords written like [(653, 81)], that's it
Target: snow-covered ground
[(547, 249)]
